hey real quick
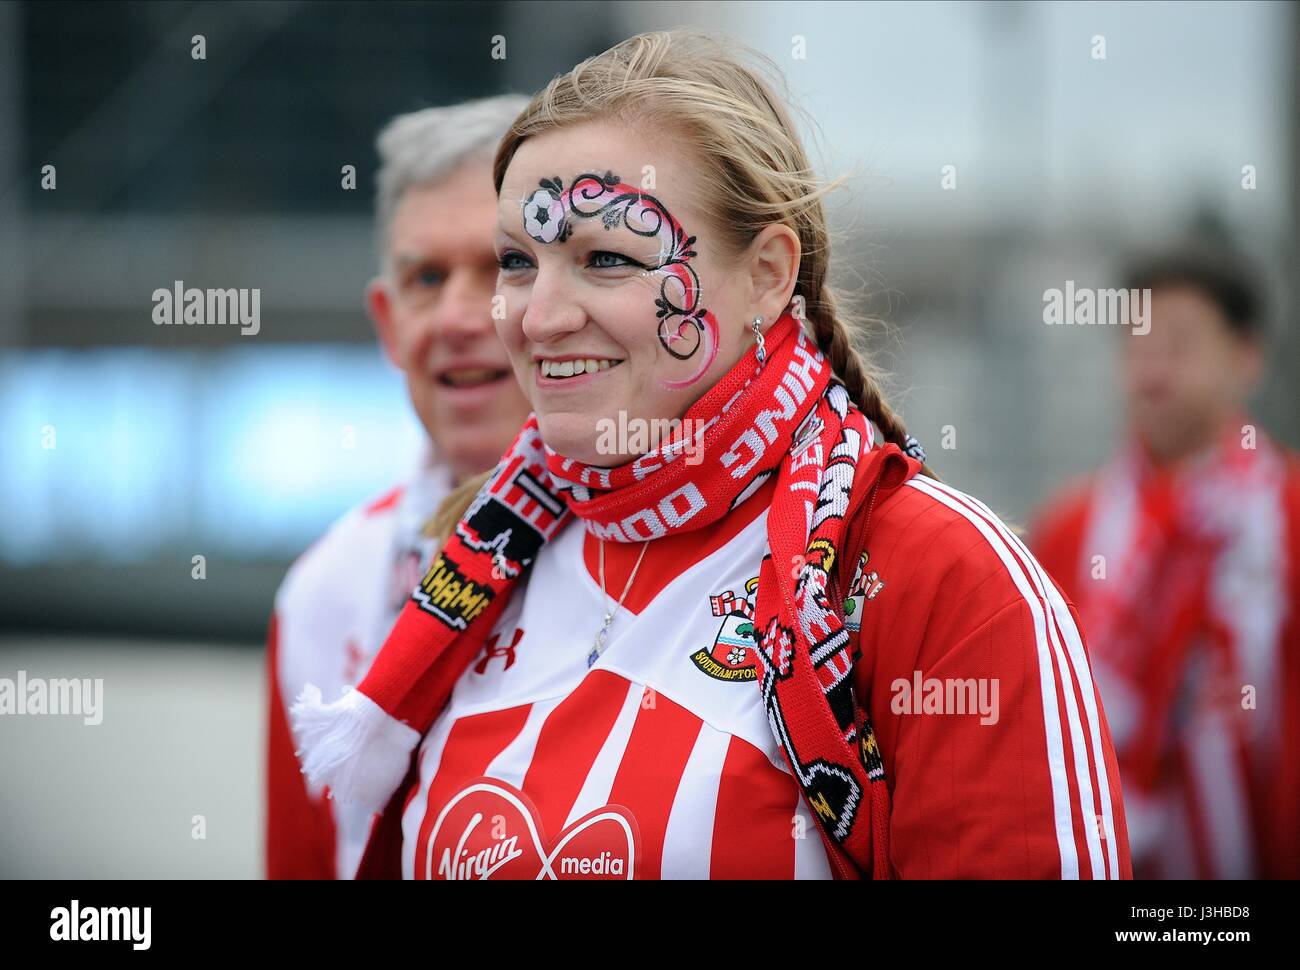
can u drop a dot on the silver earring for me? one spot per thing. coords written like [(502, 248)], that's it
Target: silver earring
[(758, 339)]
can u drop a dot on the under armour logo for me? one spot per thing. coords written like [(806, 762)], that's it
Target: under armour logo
[(492, 649)]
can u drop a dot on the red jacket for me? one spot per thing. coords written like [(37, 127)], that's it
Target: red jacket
[(1035, 795), (996, 749)]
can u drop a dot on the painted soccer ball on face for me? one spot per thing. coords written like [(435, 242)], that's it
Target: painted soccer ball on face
[(543, 216)]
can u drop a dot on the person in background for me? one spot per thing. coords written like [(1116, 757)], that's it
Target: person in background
[(1183, 557), (432, 309)]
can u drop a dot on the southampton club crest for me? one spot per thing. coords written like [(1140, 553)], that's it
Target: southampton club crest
[(866, 586), (731, 655)]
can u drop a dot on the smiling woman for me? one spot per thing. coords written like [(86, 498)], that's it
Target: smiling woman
[(780, 561)]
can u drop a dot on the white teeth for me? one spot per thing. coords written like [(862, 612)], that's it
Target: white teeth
[(572, 368)]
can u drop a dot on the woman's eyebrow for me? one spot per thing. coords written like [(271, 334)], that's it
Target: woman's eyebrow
[(621, 238), (595, 221), (582, 226)]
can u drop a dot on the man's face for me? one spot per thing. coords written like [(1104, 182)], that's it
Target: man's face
[(1188, 374), (434, 317)]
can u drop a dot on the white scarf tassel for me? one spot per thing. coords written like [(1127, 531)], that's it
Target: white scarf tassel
[(352, 745)]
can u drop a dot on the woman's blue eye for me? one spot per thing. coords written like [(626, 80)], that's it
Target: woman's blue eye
[(428, 277), (603, 260), (512, 261)]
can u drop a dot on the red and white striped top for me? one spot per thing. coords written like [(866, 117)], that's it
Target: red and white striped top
[(659, 762), (647, 765)]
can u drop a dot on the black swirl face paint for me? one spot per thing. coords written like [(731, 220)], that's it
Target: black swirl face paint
[(685, 327)]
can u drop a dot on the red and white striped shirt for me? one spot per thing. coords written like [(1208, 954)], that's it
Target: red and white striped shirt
[(659, 762)]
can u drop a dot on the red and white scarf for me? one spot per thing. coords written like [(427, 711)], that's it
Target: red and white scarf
[(786, 417)]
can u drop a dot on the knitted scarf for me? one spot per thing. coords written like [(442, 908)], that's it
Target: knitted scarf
[(786, 416)]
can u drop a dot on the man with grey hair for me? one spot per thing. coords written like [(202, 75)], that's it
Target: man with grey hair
[(432, 308)]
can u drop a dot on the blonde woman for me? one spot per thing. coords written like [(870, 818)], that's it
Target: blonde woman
[(764, 644)]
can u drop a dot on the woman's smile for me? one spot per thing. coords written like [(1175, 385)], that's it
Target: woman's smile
[(571, 370)]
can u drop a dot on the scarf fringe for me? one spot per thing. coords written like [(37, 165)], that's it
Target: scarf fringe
[(352, 745)]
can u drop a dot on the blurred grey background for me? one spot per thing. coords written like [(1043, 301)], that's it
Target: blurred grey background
[(174, 442)]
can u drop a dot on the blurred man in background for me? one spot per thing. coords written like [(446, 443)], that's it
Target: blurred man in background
[(1183, 558), (432, 309)]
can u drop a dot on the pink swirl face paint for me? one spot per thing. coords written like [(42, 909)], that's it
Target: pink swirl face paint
[(686, 329)]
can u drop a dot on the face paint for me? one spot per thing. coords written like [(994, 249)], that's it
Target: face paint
[(544, 213), (685, 327)]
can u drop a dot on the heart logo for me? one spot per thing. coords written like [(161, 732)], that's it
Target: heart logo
[(492, 830)]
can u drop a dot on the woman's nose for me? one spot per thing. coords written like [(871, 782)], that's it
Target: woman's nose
[(552, 310)]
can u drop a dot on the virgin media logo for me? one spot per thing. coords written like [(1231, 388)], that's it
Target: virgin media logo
[(491, 830)]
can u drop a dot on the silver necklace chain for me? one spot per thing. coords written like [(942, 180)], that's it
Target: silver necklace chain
[(602, 635)]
